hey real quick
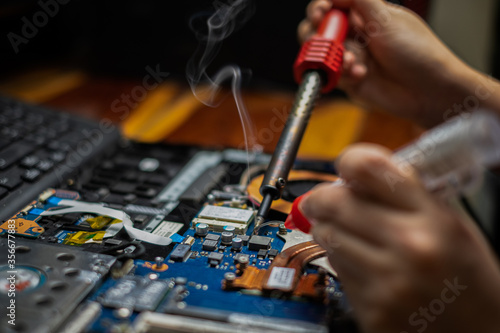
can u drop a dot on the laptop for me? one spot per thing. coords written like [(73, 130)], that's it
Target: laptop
[(103, 234)]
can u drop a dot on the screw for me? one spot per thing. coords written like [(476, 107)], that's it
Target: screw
[(159, 262), (280, 183), (282, 229)]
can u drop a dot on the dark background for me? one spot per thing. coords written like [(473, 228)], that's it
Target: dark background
[(121, 38)]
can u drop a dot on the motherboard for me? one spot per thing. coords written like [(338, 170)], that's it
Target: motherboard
[(156, 238)]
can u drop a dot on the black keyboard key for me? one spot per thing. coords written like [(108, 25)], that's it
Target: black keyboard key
[(57, 145), (146, 192), (31, 175), (13, 112), (10, 133), (72, 137), (38, 140), (45, 165), (4, 143), (11, 179), (3, 192), (57, 156), (123, 188), (14, 153), (29, 161), (35, 119)]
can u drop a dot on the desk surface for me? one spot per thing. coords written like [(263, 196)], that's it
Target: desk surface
[(170, 113)]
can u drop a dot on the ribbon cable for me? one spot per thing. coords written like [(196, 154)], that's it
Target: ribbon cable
[(71, 206)]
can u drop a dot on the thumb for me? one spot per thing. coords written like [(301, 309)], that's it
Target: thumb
[(368, 9)]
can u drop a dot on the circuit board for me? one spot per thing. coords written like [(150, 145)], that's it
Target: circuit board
[(165, 244)]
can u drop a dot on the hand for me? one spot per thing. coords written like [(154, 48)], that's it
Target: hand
[(394, 62), (407, 261)]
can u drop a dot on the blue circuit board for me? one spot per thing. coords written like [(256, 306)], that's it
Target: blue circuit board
[(202, 283)]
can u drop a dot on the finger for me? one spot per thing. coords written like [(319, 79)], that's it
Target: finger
[(316, 11), (354, 67), (349, 59), (341, 207), (368, 9), (351, 256), (369, 170), (305, 30)]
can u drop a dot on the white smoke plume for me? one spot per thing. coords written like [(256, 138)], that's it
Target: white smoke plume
[(228, 17)]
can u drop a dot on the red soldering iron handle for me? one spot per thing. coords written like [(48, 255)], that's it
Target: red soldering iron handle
[(325, 50)]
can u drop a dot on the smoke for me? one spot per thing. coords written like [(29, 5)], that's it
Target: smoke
[(229, 16)]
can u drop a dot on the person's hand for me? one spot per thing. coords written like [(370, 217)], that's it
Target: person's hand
[(407, 261), (393, 61)]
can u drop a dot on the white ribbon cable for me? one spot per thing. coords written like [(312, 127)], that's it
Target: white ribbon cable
[(71, 206)]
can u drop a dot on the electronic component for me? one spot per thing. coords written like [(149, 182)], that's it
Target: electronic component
[(285, 273), (227, 238), (201, 229), (209, 245), (189, 240), (229, 228), (272, 253), (237, 244), (150, 322), (98, 222), (219, 217), (238, 256), (257, 243), (262, 254), (215, 257), (244, 239), (49, 281), (181, 252), (24, 224), (84, 237), (213, 237), (135, 292)]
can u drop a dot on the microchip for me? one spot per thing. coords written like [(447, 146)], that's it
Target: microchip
[(213, 237), (219, 217), (245, 239), (136, 292), (262, 254), (273, 253), (209, 245), (181, 252), (215, 256), (257, 243), (222, 248)]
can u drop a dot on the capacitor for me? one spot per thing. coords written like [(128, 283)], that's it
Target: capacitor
[(237, 244), (227, 238), (201, 229), (229, 228)]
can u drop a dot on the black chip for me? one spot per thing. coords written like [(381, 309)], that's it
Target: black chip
[(209, 245), (257, 243), (244, 238), (215, 256), (262, 254), (222, 248), (181, 252), (273, 253), (213, 237)]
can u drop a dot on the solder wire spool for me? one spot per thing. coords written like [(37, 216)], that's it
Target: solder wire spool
[(451, 158)]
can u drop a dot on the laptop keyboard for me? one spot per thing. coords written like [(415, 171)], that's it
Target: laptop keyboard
[(39, 148)]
